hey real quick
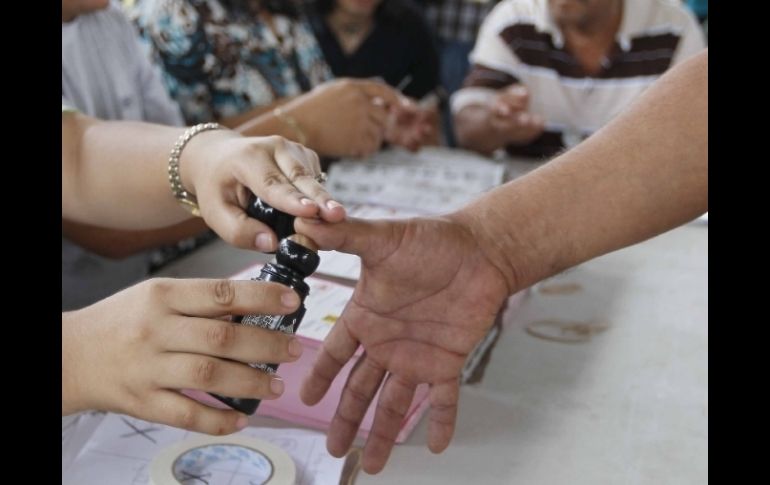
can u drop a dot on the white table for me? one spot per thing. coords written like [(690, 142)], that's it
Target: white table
[(630, 406)]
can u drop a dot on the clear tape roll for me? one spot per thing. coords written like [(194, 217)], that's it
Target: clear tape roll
[(223, 459)]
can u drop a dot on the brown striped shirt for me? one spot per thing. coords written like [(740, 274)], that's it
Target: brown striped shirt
[(520, 43)]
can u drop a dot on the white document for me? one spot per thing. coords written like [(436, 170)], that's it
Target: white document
[(121, 449), (324, 306), (75, 433), (433, 181)]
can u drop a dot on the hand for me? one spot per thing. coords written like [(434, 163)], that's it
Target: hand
[(412, 126), (344, 117), (223, 169), (427, 295), (132, 352), (510, 118)]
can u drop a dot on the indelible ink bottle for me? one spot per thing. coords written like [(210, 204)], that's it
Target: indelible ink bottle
[(295, 259)]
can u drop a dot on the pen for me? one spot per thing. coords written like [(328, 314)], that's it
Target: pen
[(404, 83)]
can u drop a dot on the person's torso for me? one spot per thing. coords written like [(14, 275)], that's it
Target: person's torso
[(385, 53), (231, 54), (101, 65), (573, 102)]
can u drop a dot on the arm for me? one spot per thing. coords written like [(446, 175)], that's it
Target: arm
[(105, 162), (356, 128), (157, 107), (490, 111), (495, 119), (259, 121), (115, 244), (340, 118), (643, 174), (430, 288)]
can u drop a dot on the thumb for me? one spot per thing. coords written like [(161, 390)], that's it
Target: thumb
[(372, 240)]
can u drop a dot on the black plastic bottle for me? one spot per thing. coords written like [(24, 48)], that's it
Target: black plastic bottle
[(280, 222), (295, 259)]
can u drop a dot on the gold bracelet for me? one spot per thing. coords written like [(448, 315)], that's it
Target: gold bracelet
[(185, 198), (292, 122)]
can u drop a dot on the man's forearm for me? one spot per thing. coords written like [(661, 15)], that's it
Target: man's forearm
[(644, 173)]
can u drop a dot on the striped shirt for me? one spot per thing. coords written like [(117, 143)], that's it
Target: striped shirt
[(520, 43)]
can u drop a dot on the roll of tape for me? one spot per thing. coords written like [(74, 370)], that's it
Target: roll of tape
[(222, 459)]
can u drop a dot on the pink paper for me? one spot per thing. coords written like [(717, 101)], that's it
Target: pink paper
[(291, 408)]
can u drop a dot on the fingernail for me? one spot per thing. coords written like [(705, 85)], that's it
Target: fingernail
[(306, 201), (519, 90), (295, 348), (242, 422), (333, 204), (264, 241), (290, 299), (276, 385)]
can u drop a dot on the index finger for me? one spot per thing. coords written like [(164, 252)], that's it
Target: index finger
[(270, 181), (212, 298), (301, 167)]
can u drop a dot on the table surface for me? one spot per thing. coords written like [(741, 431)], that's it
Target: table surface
[(627, 406)]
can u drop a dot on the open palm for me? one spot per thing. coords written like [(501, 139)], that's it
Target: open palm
[(427, 295)]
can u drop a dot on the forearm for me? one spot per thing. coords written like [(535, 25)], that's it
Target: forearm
[(268, 123), (118, 244), (474, 130), (246, 123), (644, 173), (115, 174)]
